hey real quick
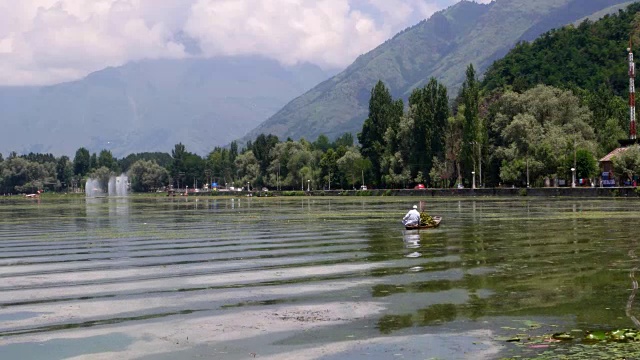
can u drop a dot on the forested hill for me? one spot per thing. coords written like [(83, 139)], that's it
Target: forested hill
[(440, 47), (588, 56), (590, 59)]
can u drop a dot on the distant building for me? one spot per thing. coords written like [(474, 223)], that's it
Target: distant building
[(607, 176), (606, 163)]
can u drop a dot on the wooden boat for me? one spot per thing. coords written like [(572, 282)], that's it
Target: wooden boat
[(437, 220)]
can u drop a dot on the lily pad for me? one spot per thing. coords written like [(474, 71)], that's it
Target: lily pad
[(596, 336)]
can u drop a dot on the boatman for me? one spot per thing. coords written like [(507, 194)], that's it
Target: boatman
[(412, 218)]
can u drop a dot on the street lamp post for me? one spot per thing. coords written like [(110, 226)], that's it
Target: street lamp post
[(573, 177), (473, 149), (527, 172), (473, 179), (308, 185)]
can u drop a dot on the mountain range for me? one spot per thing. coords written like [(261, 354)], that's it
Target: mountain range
[(152, 105), (441, 47)]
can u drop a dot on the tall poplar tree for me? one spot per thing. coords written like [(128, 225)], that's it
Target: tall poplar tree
[(471, 100), (431, 111), (383, 113), (82, 162)]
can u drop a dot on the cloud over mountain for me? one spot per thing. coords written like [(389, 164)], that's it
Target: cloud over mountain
[(49, 41)]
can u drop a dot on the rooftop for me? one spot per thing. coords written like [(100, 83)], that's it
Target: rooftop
[(613, 153)]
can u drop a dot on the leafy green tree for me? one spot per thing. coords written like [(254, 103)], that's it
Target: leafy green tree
[(383, 113), (291, 162), (64, 171), (453, 144), (161, 158), (221, 165), (627, 163), (430, 112), (37, 175), (400, 147), (354, 165), (177, 170), (300, 165), (21, 175), (106, 159), (344, 140), (586, 164), (147, 176), (471, 128), (329, 168), (524, 132), (540, 131), (194, 167), (187, 169), (248, 168), (233, 151), (14, 173), (39, 158), (94, 162), (82, 162), (441, 172), (322, 143), (261, 149)]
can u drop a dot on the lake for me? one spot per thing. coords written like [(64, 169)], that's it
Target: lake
[(316, 278)]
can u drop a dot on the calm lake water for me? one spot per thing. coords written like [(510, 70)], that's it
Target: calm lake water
[(314, 278)]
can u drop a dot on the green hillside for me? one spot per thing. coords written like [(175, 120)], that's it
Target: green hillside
[(440, 47), (590, 60), (588, 56)]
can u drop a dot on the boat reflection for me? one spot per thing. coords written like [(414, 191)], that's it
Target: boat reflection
[(411, 241)]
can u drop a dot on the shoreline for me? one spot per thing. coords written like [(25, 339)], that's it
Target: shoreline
[(582, 192), (588, 192)]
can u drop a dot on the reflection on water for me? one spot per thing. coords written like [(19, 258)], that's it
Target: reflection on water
[(104, 213), (71, 265), (634, 290), (66, 348)]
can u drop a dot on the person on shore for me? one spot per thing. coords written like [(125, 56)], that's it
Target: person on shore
[(412, 218)]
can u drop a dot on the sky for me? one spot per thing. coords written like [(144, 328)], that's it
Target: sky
[(51, 41)]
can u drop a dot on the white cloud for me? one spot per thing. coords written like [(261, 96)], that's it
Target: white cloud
[(49, 41)]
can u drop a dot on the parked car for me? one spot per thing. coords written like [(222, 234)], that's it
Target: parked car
[(420, 187)]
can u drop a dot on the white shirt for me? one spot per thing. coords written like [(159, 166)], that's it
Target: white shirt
[(412, 217)]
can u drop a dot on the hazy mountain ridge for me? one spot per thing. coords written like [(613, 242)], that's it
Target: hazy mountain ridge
[(441, 46), (151, 105)]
